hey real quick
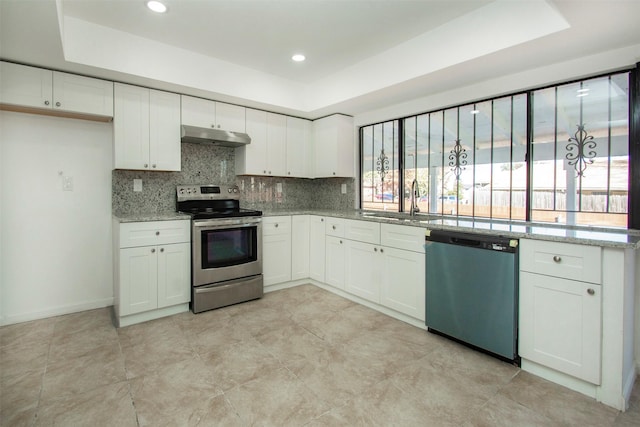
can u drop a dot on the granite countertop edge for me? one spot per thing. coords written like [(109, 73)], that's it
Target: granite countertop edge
[(586, 236)]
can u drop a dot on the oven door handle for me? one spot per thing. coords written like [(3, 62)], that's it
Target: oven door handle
[(216, 224)]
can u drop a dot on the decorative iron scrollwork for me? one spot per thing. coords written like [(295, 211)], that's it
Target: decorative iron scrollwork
[(382, 165), (580, 150), (458, 159)]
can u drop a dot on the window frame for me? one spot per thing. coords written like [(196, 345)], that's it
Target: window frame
[(633, 212)]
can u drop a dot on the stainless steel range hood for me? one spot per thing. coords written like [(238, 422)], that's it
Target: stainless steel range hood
[(217, 137)]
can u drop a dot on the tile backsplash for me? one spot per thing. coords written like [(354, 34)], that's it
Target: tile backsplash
[(202, 164)]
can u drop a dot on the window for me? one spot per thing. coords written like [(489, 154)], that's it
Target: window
[(471, 160)]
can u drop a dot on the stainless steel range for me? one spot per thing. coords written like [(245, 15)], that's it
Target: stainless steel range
[(226, 246)]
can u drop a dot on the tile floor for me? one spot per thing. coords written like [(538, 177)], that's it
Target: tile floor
[(298, 357)]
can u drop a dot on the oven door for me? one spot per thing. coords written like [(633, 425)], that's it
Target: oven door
[(226, 249)]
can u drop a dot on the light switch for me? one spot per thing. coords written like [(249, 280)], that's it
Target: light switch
[(344, 189), (137, 185), (67, 183)]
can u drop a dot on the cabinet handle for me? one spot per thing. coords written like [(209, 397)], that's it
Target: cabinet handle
[(146, 165), (153, 251), (333, 226), (375, 249), (556, 258), (157, 233), (269, 172), (213, 126), (276, 225), (334, 173), (153, 165), (58, 104), (340, 241), (590, 291), (161, 249), (288, 173), (218, 126), (381, 250), (264, 171), (321, 219), (46, 102)]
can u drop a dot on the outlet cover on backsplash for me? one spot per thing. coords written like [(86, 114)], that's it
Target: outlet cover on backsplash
[(205, 164)]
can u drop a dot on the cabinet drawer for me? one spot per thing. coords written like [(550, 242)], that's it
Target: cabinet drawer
[(362, 231), (276, 225), (134, 234), (402, 237), (567, 260), (334, 227)]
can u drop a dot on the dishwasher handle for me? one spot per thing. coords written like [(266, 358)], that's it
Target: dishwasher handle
[(465, 242)]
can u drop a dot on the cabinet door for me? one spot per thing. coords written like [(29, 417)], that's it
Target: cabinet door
[(252, 159), (316, 248), (26, 86), (82, 94), (362, 272), (334, 261), (231, 117), (164, 131), (277, 144), (138, 280), (333, 147), (198, 112), (174, 274), (276, 258), (297, 147), (131, 127), (560, 324), (299, 247), (402, 287)]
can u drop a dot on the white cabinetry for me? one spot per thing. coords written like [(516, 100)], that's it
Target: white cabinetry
[(317, 248), (53, 92), (335, 261), (266, 154), (276, 253), (146, 129), (333, 147), (298, 147), (383, 270), (152, 270), (300, 247), (560, 318), (211, 114)]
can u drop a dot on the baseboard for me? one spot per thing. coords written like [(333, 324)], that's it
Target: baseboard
[(628, 387), (57, 311)]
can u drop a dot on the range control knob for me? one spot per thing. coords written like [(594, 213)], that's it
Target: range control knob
[(229, 190)]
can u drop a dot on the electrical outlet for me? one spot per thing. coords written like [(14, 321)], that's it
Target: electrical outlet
[(137, 185), (343, 189), (67, 183), (279, 187)]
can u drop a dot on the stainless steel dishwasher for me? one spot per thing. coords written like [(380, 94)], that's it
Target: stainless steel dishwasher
[(472, 290)]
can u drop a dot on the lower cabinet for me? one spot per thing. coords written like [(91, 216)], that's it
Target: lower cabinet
[(363, 265), (334, 272), (276, 249), (152, 269), (154, 277), (560, 324), (299, 247), (317, 248)]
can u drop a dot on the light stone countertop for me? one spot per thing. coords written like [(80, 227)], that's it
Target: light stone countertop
[(595, 236)]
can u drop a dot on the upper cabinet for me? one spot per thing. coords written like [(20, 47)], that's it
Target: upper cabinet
[(333, 147), (146, 129), (36, 90), (298, 147), (210, 114), (266, 154)]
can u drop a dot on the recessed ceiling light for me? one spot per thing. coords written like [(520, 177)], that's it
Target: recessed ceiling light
[(156, 6), (298, 57)]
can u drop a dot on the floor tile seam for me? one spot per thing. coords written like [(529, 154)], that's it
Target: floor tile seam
[(64, 397), (540, 414)]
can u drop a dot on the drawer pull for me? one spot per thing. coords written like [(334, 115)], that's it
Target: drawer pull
[(556, 258), (590, 291), (276, 225), (381, 250), (157, 233), (375, 249), (333, 226)]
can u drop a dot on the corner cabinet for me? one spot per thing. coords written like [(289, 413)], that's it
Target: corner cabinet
[(146, 129), (560, 320), (333, 147), (37, 90), (152, 276)]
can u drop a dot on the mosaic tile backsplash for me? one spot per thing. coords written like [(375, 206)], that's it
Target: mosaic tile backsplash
[(202, 164)]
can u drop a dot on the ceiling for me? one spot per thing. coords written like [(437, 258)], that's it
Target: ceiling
[(361, 54)]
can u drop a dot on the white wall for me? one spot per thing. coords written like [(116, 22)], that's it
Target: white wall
[(55, 244)]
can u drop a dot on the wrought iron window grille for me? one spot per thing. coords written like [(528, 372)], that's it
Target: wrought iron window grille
[(457, 159), (581, 150)]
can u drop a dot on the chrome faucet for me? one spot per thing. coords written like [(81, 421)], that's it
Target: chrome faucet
[(414, 193)]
